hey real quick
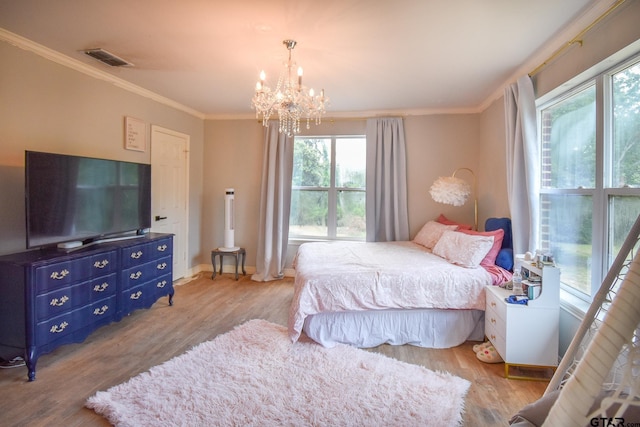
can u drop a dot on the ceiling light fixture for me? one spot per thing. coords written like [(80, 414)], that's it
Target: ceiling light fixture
[(290, 99)]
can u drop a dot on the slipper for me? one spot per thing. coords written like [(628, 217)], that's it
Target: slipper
[(478, 347), (489, 355), (13, 363)]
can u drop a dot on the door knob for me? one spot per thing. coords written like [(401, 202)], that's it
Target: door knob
[(158, 217)]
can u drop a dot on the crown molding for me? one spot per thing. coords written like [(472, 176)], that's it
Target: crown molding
[(74, 64), (586, 18)]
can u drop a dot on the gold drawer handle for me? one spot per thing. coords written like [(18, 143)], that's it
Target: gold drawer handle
[(55, 329), (136, 255), (162, 248), (493, 304), (100, 311), (137, 295), (493, 337), (161, 284), (101, 264), (61, 275), (101, 288), (135, 275), (493, 320), (59, 302), (161, 266)]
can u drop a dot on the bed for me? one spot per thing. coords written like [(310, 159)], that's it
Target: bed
[(370, 293)]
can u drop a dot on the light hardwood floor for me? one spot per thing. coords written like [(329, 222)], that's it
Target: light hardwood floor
[(204, 308)]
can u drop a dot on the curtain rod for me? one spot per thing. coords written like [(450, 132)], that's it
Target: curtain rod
[(576, 39)]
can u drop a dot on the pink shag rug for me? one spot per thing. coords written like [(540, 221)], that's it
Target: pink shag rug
[(254, 375)]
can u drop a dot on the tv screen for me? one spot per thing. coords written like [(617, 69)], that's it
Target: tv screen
[(71, 198)]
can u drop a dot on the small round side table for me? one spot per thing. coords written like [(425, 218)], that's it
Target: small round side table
[(239, 253)]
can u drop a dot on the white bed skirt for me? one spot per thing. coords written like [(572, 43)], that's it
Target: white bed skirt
[(431, 328)]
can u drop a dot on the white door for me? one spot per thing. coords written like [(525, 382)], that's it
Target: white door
[(169, 185)]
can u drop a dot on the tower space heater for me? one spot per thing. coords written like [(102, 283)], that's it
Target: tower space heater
[(229, 225)]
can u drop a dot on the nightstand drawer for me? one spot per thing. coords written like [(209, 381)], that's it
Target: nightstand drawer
[(496, 304), (494, 329), (495, 324)]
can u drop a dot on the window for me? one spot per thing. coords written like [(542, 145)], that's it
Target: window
[(590, 175), (328, 188)]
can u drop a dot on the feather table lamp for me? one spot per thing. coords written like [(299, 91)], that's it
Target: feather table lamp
[(455, 191)]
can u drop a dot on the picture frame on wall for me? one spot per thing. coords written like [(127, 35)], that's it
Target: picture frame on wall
[(135, 134)]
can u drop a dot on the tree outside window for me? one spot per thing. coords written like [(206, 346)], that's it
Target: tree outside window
[(328, 188)]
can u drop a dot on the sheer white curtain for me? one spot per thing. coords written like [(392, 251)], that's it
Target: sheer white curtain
[(386, 205), (522, 163), (275, 205)]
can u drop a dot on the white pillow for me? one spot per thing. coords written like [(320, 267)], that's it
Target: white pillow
[(430, 233), (463, 249)]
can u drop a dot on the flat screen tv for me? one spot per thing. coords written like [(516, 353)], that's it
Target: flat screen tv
[(82, 199)]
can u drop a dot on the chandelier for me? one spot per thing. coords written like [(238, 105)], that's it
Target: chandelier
[(290, 99)]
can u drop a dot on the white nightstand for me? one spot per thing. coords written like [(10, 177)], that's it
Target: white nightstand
[(526, 335)]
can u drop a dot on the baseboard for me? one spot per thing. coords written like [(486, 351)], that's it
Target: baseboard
[(229, 268)]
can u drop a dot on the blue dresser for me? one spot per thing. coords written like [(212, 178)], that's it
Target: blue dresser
[(49, 298)]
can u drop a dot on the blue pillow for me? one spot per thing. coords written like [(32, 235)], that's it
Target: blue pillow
[(505, 256), (505, 259)]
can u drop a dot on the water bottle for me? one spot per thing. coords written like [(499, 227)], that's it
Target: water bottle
[(517, 281)]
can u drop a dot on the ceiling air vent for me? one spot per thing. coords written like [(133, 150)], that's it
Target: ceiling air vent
[(107, 58)]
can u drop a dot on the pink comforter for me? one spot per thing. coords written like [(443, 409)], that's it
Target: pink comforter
[(347, 276)]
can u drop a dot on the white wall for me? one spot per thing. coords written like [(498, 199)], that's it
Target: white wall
[(232, 158)]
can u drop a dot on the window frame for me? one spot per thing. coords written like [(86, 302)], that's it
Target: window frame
[(603, 192), (332, 192)]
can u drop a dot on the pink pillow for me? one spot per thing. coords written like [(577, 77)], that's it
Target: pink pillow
[(498, 236), (444, 220)]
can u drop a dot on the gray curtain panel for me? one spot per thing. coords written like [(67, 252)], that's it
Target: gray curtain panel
[(522, 163), (386, 204), (275, 205)]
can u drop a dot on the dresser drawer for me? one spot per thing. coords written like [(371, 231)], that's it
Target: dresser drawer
[(61, 300), (56, 302), (60, 326), (60, 274), (53, 276), (140, 254), (163, 265), (162, 286), (137, 254), (104, 263), (101, 312), (162, 247), (135, 275), (137, 297), (103, 287)]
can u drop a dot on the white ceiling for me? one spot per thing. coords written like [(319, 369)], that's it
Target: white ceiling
[(370, 56)]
